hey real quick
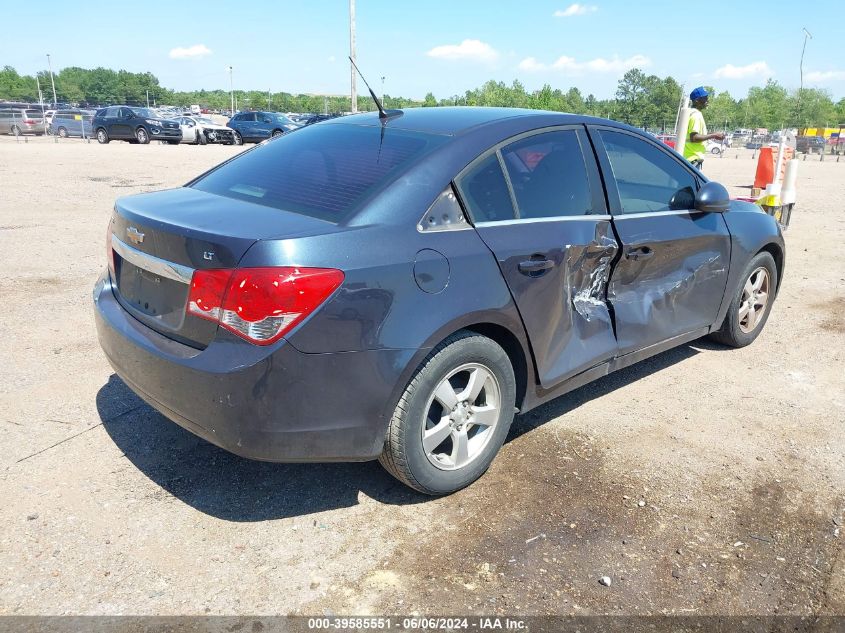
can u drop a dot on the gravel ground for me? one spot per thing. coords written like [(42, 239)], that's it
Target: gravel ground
[(702, 481)]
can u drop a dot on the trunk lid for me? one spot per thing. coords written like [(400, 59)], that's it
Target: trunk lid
[(160, 238)]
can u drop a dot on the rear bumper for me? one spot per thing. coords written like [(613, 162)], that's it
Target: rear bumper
[(268, 403)]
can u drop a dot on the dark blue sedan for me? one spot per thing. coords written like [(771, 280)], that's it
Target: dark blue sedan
[(254, 127), (396, 288)]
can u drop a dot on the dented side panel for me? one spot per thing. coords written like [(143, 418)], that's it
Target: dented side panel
[(678, 286), (563, 307)]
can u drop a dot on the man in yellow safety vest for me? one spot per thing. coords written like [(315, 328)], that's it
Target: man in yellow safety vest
[(694, 149)]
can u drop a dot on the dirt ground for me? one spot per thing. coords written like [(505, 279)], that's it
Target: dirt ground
[(702, 481)]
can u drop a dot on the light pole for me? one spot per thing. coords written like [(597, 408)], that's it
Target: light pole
[(801, 76), (382, 89), (232, 90), (352, 55), (50, 66)]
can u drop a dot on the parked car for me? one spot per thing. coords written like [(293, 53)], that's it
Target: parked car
[(17, 120), (254, 127), (716, 147), (133, 124), (316, 118), (72, 123), (200, 131), (810, 144), (397, 288)]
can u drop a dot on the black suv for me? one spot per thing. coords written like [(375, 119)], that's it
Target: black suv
[(136, 125)]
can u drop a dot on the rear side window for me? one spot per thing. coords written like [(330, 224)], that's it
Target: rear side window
[(648, 178), (548, 175), (485, 192), (328, 172)]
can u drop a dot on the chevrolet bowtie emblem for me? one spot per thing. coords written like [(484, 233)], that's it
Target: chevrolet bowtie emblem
[(134, 235)]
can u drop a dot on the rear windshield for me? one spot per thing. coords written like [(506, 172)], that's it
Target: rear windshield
[(34, 114), (327, 172)]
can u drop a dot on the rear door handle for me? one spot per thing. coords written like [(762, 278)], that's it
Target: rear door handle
[(535, 265), (640, 252)]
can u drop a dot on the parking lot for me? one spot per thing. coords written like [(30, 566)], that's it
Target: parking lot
[(702, 481)]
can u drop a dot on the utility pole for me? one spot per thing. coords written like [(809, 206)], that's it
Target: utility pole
[(801, 77), (50, 66), (148, 98), (382, 89), (352, 55), (232, 90), (40, 95), (268, 98)]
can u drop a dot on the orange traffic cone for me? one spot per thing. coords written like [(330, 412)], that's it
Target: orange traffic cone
[(765, 168)]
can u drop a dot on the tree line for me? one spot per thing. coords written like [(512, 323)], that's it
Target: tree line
[(646, 101)]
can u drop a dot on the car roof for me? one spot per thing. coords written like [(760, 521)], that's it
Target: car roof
[(454, 121)]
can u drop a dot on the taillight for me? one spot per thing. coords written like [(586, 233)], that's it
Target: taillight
[(29, 121), (260, 304)]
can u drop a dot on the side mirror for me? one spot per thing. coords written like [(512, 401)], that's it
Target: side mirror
[(712, 198)]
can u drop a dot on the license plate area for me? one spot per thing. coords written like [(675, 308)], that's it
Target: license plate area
[(152, 295)]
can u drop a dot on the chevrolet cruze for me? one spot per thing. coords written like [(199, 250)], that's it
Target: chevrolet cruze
[(396, 287)]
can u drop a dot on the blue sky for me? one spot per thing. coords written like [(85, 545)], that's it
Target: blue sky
[(444, 47)]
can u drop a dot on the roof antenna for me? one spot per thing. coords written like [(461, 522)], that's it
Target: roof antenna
[(383, 114)]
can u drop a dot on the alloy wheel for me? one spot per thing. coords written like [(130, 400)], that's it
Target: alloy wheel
[(461, 416), (755, 298)]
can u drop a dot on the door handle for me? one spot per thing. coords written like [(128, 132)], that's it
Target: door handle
[(640, 252), (535, 265)]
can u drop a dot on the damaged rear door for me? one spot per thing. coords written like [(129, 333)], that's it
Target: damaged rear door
[(673, 269), (537, 202)]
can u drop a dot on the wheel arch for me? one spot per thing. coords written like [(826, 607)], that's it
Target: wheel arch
[(777, 254), (515, 347)]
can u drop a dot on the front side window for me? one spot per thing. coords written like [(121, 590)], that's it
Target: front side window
[(648, 178), (548, 175), (485, 191)]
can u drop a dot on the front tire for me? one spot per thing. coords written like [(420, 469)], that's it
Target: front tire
[(102, 136), (276, 133), (62, 132), (141, 136), (201, 140), (453, 416), (751, 304)]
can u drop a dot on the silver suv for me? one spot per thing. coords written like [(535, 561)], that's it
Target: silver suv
[(16, 120)]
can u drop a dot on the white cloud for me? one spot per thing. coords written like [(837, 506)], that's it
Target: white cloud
[(575, 9), (191, 52), (819, 76), (571, 66), (754, 69), (468, 49), (531, 65)]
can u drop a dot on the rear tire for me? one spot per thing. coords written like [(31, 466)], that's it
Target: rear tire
[(752, 303), (238, 138), (62, 132), (142, 136), (102, 136), (15, 131), (453, 416)]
